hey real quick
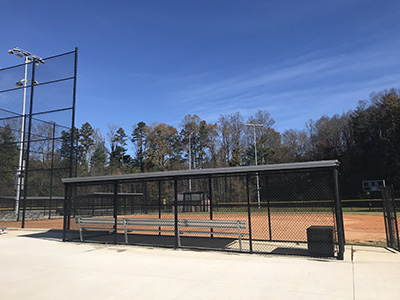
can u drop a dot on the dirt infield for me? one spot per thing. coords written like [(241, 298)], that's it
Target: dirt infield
[(366, 229)]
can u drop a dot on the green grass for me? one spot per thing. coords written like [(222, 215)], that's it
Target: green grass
[(369, 243)]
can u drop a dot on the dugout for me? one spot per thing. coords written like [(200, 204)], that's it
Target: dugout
[(252, 209)]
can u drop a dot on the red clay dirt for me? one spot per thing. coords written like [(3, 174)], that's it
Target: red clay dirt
[(368, 229)]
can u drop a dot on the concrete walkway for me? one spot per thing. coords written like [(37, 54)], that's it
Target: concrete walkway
[(36, 265)]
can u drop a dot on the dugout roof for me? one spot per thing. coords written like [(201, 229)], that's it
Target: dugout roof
[(205, 172)]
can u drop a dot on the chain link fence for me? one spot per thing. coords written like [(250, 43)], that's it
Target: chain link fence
[(37, 105), (391, 212), (280, 209)]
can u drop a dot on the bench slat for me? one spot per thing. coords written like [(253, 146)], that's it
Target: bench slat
[(214, 232), (150, 222), (213, 224), (222, 224)]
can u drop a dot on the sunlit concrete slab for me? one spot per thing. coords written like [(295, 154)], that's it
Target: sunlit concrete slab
[(37, 265)]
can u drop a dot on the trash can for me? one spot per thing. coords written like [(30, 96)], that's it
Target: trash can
[(320, 241)]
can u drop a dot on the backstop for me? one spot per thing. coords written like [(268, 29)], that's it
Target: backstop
[(37, 142), (290, 208)]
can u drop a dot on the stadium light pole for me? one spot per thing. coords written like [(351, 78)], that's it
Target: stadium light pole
[(255, 155), (28, 58)]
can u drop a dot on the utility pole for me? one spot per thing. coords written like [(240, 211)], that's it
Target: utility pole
[(255, 155), (190, 160)]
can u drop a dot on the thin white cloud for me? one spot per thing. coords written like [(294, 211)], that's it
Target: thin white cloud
[(302, 86)]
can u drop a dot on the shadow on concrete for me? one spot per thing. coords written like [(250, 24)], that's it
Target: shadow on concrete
[(106, 237), (52, 235), (290, 251), (154, 240), (168, 241)]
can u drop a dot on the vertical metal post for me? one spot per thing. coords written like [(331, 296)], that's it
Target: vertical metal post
[(70, 204), (71, 155), (115, 202), (269, 209), (52, 168), (190, 162), (392, 200), (66, 199), (176, 211), (29, 144), (386, 215), (20, 180), (21, 174), (339, 214), (249, 214), (146, 198), (159, 205), (211, 201)]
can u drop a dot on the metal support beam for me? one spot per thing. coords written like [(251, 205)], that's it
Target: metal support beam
[(338, 214), (268, 208), (66, 199), (28, 146), (211, 201), (249, 214), (176, 212), (115, 202)]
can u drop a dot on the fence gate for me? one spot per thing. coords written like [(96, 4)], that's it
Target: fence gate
[(390, 215)]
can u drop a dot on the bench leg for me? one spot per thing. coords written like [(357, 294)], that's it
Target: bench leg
[(126, 232), (179, 238), (80, 229), (240, 238)]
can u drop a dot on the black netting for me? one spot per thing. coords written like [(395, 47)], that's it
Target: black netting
[(36, 117)]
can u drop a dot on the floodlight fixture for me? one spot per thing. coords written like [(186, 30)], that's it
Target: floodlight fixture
[(19, 83), (255, 125), (29, 57)]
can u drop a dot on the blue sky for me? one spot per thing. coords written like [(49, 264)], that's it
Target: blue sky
[(156, 61)]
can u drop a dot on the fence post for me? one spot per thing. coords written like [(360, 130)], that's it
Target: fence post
[(268, 208), (249, 213), (115, 198), (159, 205), (26, 185), (176, 211), (66, 197), (339, 214), (211, 201), (52, 168)]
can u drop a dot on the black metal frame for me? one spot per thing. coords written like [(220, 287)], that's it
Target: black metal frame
[(274, 212), (27, 194), (390, 210)]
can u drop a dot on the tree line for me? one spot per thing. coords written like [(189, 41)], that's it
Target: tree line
[(365, 140)]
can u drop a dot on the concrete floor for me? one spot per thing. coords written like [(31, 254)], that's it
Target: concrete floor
[(34, 264)]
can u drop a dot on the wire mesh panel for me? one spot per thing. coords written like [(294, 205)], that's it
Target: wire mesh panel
[(282, 212), (391, 210), (92, 202), (37, 102), (143, 205), (229, 203), (286, 205)]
